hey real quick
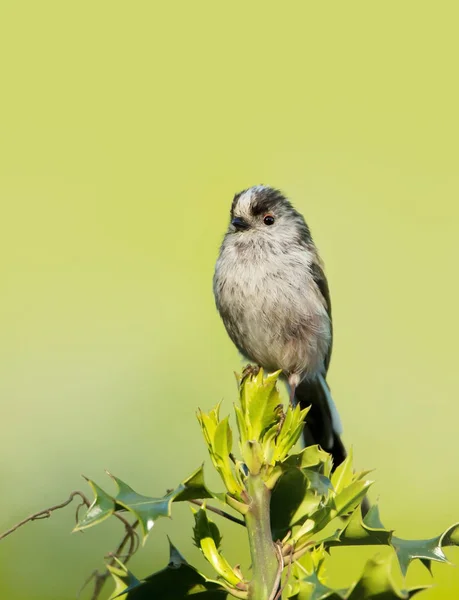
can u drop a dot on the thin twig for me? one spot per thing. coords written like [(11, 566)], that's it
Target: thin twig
[(277, 589), (46, 513), (220, 512), (131, 535), (289, 567), (100, 578)]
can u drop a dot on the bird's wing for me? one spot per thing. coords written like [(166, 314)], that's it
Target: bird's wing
[(321, 281)]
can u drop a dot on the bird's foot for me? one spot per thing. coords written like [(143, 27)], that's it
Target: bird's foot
[(250, 370), (281, 415)]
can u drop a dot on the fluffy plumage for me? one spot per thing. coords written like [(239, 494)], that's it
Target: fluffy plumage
[(273, 297)]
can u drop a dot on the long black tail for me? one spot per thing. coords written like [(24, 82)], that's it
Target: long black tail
[(323, 425), (322, 422)]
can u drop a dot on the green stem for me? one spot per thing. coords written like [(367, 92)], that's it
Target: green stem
[(265, 562)]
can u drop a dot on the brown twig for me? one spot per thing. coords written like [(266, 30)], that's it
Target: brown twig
[(46, 513), (100, 578), (220, 512), (131, 537), (277, 589)]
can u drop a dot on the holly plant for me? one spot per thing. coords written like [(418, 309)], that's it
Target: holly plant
[(284, 499)]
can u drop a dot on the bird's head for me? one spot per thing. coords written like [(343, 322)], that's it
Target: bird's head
[(264, 211)]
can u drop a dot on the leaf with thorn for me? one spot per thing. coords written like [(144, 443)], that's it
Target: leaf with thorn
[(178, 581), (307, 581), (311, 588), (125, 581), (425, 550), (371, 531), (290, 432), (259, 402), (194, 488), (361, 533), (286, 500), (312, 457), (145, 508), (219, 442), (350, 497), (102, 508), (207, 537), (376, 582), (317, 482)]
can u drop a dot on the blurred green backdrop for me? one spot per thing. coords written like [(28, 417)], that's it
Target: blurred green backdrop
[(125, 130)]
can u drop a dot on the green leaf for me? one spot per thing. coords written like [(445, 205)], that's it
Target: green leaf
[(371, 532), (252, 455), (219, 441), (290, 432), (124, 580), (308, 458), (193, 488), (286, 499), (145, 508), (376, 582), (320, 484), (368, 532), (259, 400), (178, 581), (425, 550), (343, 475), (102, 507), (242, 426), (350, 497), (308, 572), (207, 537), (204, 527), (311, 588), (222, 446)]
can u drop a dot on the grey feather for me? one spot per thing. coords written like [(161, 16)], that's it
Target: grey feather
[(273, 297)]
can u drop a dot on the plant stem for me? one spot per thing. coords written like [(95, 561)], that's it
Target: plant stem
[(265, 562)]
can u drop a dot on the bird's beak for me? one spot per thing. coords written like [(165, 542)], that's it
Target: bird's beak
[(239, 223)]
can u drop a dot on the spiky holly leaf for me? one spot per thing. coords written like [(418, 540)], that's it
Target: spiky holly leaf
[(343, 475), (310, 587), (376, 582), (124, 580), (307, 578), (304, 496), (102, 507), (425, 550), (219, 440), (145, 508), (289, 433), (317, 482), (361, 533), (350, 497), (371, 531), (207, 537), (287, 500), (194, 488), (259, 398), (312, 457), (204, 528), (178, 581)]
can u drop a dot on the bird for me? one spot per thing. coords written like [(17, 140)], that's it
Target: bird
[(273, 298)]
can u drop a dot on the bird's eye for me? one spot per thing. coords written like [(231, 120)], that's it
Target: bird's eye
[(268, 220)]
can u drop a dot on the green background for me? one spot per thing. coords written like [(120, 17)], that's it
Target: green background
[(125, 130)]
